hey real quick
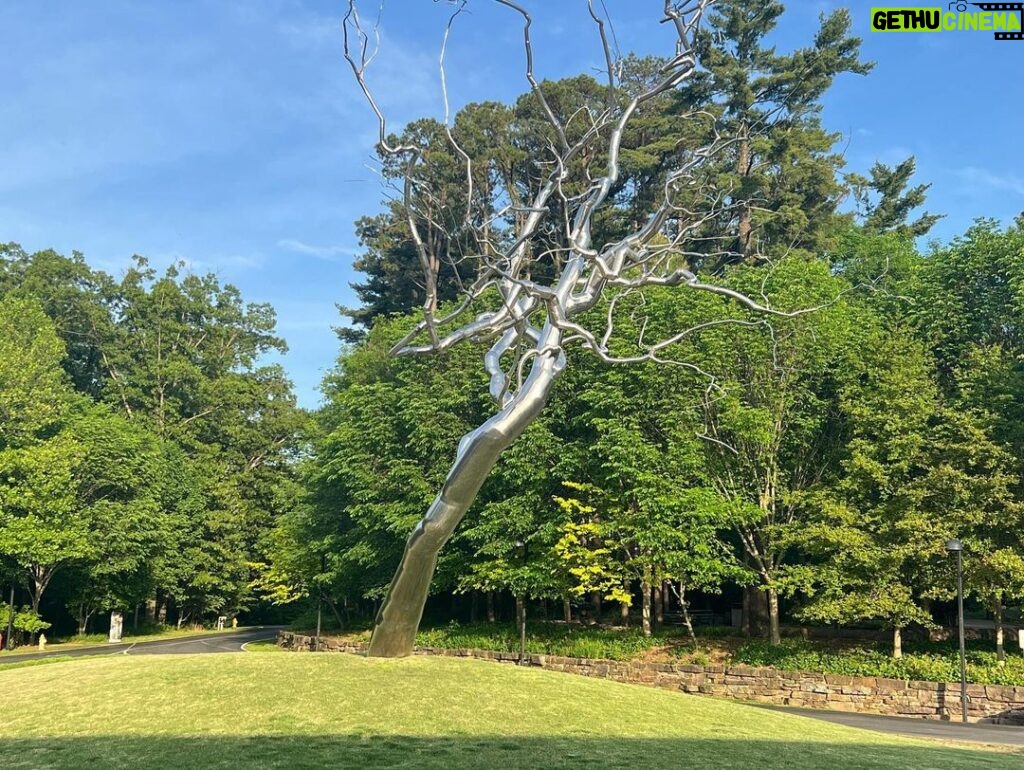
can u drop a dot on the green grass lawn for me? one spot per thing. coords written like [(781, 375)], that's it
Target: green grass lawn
[(315, 711)]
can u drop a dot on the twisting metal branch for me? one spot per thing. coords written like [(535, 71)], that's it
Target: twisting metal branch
[(447, 111)]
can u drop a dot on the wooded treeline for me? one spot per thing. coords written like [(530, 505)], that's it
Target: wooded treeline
[(823, 459), (145, 445), (150, 457)]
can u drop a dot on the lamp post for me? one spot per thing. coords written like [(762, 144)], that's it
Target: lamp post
[(10, 621), (955, 546), (521, 607)]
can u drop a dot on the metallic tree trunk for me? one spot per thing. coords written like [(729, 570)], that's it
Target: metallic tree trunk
[(395, 631)]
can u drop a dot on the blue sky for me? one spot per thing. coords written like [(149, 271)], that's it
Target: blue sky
[(229, 133)]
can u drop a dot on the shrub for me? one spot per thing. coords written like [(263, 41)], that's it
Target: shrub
[(542, 639), (933, 663)]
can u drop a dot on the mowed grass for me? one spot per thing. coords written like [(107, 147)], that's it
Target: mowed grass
[(313, 711)]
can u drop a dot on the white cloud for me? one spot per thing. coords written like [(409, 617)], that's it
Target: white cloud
[(980, 178), (895, 154), (326, 253)]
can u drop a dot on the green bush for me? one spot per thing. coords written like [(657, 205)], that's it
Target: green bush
[(24, 620), (931, 663), (542, 639)]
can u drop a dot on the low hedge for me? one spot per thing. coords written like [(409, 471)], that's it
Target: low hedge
[(934, 662)]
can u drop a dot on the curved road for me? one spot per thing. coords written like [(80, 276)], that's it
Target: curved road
[(1000, 735), (228, 641)]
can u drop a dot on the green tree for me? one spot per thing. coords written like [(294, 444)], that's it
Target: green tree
[(79, 302), (645, 481), (382, 443), (970, 295), (884, 204), (189, 351), (33, 392), (781, 167), (509, 543), (117, 482), (917, 474), (772, 425)]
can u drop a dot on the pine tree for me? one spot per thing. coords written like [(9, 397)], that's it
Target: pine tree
[(884, 203), (780, 167)]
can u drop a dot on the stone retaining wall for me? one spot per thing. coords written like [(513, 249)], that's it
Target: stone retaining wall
[(873, 695)]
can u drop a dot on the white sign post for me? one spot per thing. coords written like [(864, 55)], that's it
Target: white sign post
[(116, 627)]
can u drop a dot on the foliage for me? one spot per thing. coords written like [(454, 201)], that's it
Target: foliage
[(542, 638), (26, 620), (781, 165), (144, 448), (982, 667), (884, 203)]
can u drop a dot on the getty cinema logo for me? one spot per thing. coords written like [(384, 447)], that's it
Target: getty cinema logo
[(1003, 19)]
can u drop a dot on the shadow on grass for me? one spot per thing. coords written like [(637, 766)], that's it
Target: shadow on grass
[(455, 753)]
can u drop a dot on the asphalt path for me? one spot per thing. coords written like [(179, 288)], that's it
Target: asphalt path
[(228, 641), (1000, 735)]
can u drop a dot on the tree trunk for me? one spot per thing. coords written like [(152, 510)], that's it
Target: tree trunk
[(624, 607), (745, 624), (151, 611), (645, 603), (319, 624), (745, 227), (334, 610), (567, 610), (490, 607), (897, 642), (84, 615), (997, 611), (595, 601), (773, 616), (9, 631), (685, 607), (399, 617), (36, 587), (521, 626), (659, 605)]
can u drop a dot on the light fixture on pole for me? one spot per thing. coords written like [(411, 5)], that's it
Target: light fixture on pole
[(955, 546), (10, 621), (521, 607)]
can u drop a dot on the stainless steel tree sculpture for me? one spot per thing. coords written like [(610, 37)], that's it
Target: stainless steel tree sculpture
[(532, 320)]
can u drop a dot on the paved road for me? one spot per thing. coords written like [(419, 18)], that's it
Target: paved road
[(1003, 735), (231, 641)]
